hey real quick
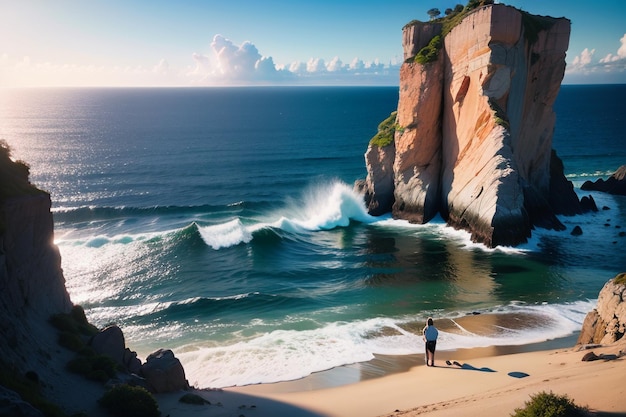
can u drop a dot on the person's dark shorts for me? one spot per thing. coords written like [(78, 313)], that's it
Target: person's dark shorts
[(430, 345)]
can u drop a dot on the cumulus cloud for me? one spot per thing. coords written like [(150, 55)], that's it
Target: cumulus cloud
[(224, 63), (621, 53), (244, 64), (583, 60), (606, 69)]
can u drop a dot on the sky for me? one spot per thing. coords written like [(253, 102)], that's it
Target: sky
[(260, 42)]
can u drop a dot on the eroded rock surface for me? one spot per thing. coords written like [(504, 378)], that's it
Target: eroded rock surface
[(606, 323), (474, 128)]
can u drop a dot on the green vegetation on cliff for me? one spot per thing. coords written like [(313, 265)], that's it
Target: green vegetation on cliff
[(430, 52), (13, 179), (386, 131), (453, 17)]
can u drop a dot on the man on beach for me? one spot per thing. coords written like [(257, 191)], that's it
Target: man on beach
[(430, 334)]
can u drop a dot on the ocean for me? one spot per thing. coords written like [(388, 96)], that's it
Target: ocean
[(221, 223)]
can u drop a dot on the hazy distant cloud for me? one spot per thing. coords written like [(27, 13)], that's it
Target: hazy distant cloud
[(224, 63), (611, 68), (621, 53)]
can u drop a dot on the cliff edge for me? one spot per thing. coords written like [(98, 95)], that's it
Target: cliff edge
[(473, 131)]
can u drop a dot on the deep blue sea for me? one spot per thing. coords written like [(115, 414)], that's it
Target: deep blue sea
[(221, 223)]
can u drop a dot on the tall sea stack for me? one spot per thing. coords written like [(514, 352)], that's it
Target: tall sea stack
[(473, 131)]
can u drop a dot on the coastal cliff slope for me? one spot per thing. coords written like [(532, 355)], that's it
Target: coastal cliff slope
[(473, 132), (32, 286), (32, 289)]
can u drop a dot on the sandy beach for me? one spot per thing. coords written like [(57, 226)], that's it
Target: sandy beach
[(493, 384)]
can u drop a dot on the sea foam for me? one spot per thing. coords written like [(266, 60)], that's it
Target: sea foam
[(283, 355)]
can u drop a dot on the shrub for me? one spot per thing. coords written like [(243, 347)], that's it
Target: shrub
[(620, 279), (193, 399), (386, 131), (546, 404), (95, 367), (128, 401), (430, 52), (73, 322), (71, 341)]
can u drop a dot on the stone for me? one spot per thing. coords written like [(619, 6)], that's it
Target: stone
[(589, 357), (163, 372), (615, 184), (606, 324), (576, 231), (110, 342), (131, 362)]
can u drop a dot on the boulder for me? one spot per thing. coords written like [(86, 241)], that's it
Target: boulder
[(615, 184), (164, 372), (110, 342), (576, 231), (606, 324)]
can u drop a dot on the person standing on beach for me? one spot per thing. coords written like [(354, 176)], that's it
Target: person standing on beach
[(430, 334)]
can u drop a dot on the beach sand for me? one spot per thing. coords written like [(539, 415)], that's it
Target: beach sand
[(490, 382)]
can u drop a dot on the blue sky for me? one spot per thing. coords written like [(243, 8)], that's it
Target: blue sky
[(176, 43)]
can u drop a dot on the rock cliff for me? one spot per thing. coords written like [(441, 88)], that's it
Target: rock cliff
[(32, 286), (615, 184), (606, 324), (473, 137)]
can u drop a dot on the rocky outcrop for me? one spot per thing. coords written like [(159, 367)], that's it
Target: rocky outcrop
[(162, 371), (606, 324), (378, 186), (473, 139), (615, 184)]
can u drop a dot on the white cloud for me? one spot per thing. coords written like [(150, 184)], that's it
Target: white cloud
[(584, 58), (609, 69), (226, 63), (621, 53), (335, 65), (316, 65)]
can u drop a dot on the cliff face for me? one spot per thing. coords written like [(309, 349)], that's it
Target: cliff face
[(32, 286), (474, 127)]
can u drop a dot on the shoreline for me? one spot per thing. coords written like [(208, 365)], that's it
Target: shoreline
[(386, 365), (492, 382)]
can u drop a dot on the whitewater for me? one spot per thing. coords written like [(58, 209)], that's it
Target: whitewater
[(222, 223)]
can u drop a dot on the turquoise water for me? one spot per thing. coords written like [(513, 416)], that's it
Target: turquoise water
[(222, 223)]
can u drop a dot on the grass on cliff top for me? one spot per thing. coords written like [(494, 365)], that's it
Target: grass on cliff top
[(620, 279), (386, 132), (430, 52), (14, 175), (532, 26)]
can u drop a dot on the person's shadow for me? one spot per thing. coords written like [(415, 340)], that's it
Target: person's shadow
[(469, 367)]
